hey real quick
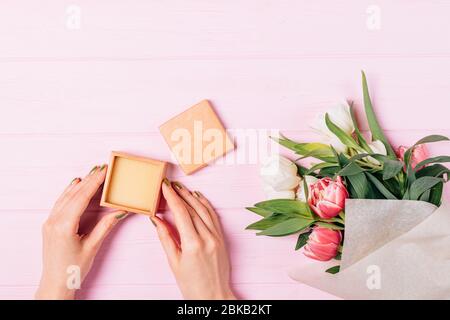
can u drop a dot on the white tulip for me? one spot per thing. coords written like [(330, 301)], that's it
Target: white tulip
[(271, 193), (377, 147), (336, 143), (340, 115), (301, 194), (279, 173)]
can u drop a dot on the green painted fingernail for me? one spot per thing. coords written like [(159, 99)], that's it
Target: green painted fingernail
[(153, 222), (121, 216), (76, 180), (93, 170), (177, 185), (166, 182), (103, 167), (197, 194)]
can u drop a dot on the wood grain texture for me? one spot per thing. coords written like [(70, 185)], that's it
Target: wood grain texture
[(70, 96)]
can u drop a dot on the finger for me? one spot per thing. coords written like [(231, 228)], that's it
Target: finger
[(200, 227), (66, 191), (182, 217), (94, 240), (195, 203), (77, 186), (166, 238), (82, 192), (211, 210), (202, 230)]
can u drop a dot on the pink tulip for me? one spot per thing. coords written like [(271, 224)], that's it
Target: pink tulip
[(418, 154), (323, 244), (327, 197)]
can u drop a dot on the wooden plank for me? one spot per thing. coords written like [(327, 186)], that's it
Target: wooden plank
[(247, 291), (105, 96), (56, 159), (205, 29)]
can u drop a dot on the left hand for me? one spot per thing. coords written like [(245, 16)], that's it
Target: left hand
[(67, 255)]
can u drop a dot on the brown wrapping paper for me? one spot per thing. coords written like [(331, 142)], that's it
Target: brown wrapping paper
[(393, 249)]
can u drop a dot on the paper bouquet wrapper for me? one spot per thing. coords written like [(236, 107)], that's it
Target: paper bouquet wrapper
[(393, 249)]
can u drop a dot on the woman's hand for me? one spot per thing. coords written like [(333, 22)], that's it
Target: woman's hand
[(68, 256), (199, 258)]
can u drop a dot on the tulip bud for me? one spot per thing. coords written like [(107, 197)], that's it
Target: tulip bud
[(340, 115), (377, 147), (418, 154), (323, 244), (327, 197), (279, 173), (271, 193)]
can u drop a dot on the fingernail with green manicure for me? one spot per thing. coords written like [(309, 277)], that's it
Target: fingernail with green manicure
[(74, 181), (93, 170), (121, 216), (177, 185), (197, 194), (166, 182)]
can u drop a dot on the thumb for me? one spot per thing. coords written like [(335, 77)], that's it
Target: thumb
[(103, 228)]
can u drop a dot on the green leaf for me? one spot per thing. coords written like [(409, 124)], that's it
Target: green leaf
[(338, 256), (379, 185), (358, 133), (316, 150), (329, 172), (393, 185), (350, 170), (381, 157), (302, 239), (333, 270), (391, 168), (359, 156), (359, 186), (427, 139), (375, 128), (306, 191), (421, 185), (328, 225), (425, 196), (410, 174), (319, 166), (287, 227), (406, 195), (436, 194), (431, 138), (301, 170), (259, 211), (267, 222), (342, 135), (440, 159), (286, 206), (435, 170)]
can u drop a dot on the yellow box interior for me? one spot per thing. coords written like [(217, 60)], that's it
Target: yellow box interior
[(133, 184)]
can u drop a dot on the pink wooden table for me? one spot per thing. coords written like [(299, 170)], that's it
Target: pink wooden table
[(81, 78)]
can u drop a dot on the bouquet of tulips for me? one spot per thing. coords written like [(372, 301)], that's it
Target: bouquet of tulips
[(311, 200)]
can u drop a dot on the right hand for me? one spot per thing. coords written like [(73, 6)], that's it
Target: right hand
[(199, 260)]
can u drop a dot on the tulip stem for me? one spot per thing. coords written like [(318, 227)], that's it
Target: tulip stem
[(367, 164), (332, 220)]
